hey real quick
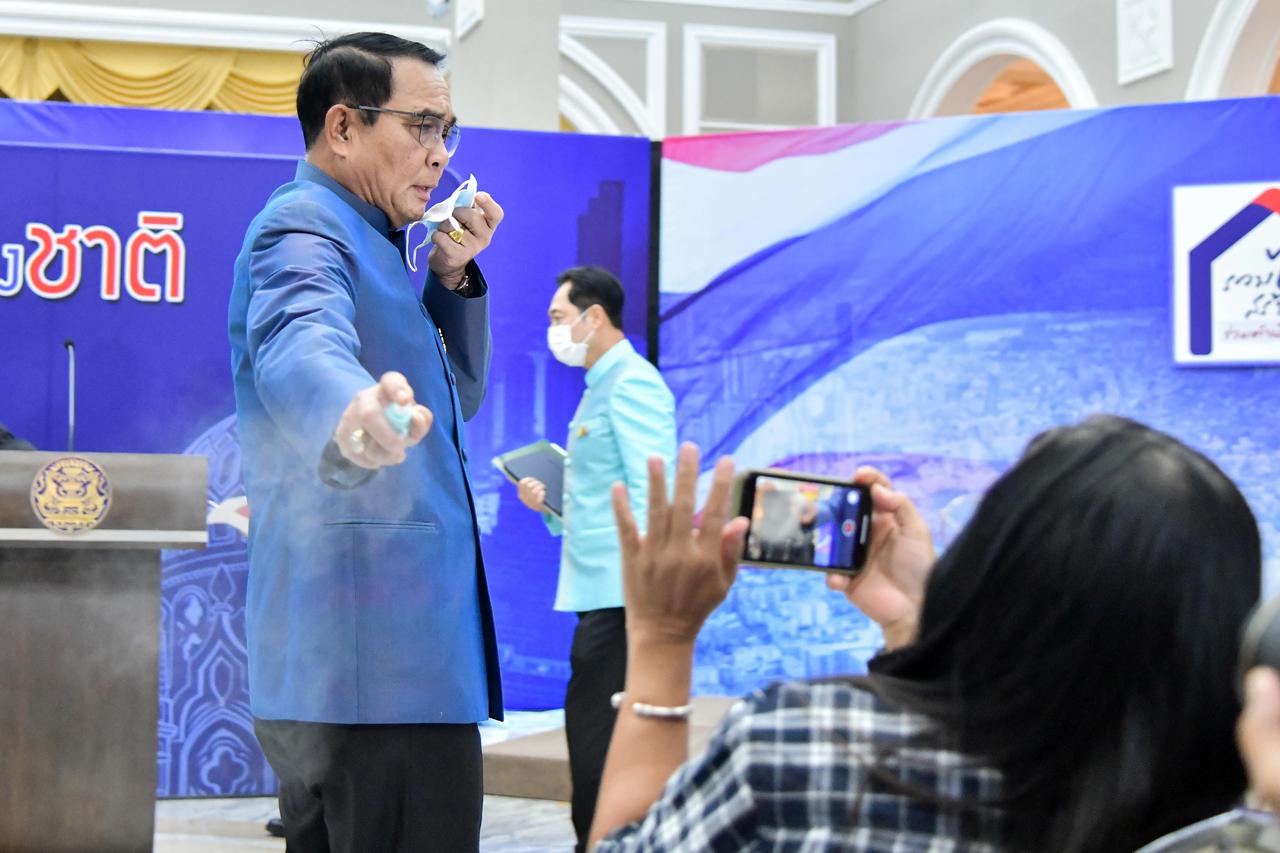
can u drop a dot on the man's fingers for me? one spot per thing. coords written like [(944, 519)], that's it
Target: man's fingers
[(419, 424), (357, 455), (385, 456), (456, 254), (368, 453), (394, 388), (382, 435), (475, 221), (493, 211)]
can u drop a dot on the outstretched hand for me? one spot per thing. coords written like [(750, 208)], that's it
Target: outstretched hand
[(364, 435), (675, 574), (890, 587)]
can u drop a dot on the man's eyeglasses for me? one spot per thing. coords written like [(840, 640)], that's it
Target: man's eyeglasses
[(430, 129)]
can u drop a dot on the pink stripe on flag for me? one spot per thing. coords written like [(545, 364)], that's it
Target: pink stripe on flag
[(1270, 199), (742, 152)]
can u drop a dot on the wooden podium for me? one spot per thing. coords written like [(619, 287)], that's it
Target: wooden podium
[(79, 638)]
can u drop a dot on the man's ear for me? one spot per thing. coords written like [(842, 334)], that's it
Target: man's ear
[(339, 124)]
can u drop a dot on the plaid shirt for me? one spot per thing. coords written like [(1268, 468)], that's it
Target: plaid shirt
[(820, 766)]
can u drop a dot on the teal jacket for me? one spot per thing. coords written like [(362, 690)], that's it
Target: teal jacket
[(627, 414)]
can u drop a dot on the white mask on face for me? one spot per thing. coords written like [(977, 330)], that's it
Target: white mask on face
[(562, 345)]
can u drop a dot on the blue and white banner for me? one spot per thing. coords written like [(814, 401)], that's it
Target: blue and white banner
[(925, 297)]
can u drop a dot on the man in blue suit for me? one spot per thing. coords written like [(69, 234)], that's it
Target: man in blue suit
[(372, 654), (627, 415)]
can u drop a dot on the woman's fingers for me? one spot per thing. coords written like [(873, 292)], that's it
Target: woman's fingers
[(628, 535), (716, 508), (686, 494), (659, 511)]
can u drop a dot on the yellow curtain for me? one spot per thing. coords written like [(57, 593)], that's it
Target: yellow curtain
[(141, 75), (260, 82), (24, 69)]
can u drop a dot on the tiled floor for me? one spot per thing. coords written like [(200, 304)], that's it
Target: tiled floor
[(234, 825), (510, 825)]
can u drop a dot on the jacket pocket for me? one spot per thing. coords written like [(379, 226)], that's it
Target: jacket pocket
[(384, 524)]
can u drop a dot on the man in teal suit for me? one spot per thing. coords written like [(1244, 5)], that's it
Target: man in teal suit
[(627, 414), (372, 654)]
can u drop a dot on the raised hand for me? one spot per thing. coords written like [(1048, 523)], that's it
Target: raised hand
[(675, 574)]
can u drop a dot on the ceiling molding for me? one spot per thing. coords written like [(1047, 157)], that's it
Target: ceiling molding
[(845, 8), (583, 111), (964, 70), (203, 29), (649, 113), (697, 36)]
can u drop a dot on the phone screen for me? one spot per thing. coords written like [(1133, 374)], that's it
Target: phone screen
[(806, 523)]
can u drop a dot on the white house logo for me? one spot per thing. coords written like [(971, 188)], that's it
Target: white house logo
[(1226, 291)]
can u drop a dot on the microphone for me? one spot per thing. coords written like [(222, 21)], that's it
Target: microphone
[(71, 394)]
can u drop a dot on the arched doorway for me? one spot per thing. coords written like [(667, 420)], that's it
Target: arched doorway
[(1238, 54), (1020, 87), (1004, 65)]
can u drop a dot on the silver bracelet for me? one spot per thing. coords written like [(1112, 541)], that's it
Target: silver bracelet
[(653, 712)]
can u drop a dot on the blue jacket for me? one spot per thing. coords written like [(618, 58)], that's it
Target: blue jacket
[(627, 414), (367, 604)]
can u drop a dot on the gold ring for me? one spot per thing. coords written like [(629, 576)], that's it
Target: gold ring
[(456, 236), (357, 440)]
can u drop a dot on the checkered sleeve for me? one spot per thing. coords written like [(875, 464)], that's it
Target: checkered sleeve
[(707, 804), (788, 769)]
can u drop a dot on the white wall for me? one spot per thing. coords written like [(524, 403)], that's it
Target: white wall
[(512, 69)]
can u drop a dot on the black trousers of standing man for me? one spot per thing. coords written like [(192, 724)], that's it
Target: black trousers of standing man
[(383, 788), (598, 664)]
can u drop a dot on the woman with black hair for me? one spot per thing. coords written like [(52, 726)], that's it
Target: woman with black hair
[(1059, 680)]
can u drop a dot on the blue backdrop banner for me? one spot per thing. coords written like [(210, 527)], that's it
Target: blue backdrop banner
[(119, 232), (927, 296)]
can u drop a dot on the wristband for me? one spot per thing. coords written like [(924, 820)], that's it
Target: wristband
[(654, 712)]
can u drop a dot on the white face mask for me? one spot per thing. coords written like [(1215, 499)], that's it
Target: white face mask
[(439, 213), (562, 345)]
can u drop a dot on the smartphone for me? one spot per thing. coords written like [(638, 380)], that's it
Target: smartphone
[(804, 521)]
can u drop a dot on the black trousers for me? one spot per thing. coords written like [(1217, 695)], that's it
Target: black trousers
[(598, 664), (385, 788)]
